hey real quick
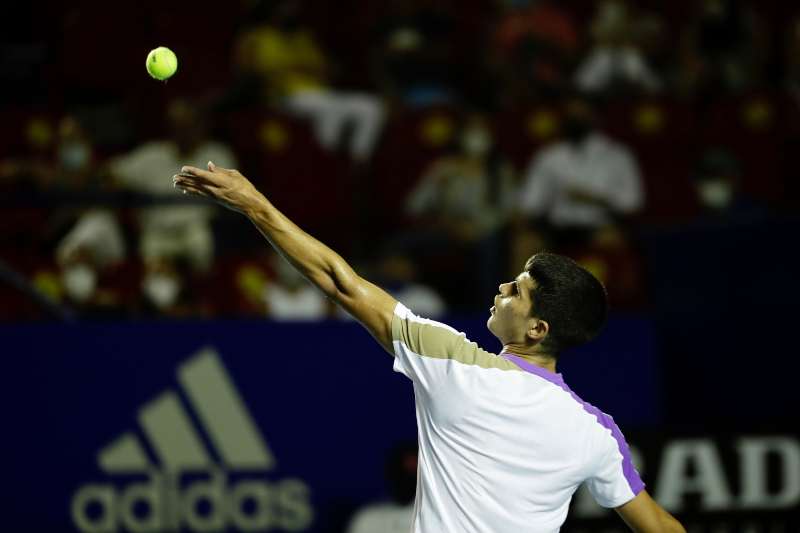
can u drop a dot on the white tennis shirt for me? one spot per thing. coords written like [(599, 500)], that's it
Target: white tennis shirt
[(503, 443)]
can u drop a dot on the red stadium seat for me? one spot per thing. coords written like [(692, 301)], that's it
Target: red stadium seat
[(521, 132), (309, 184), (660, 133), (750, 126), (413, 139)]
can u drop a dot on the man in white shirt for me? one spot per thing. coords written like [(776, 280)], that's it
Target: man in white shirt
[(171, 231), (584, 182), (504, 442)]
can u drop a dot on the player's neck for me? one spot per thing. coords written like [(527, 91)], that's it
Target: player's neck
[(532, 355)]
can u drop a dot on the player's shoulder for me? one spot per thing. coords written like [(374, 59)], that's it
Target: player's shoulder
[(603, 432), (407, 326), (587, 414), (432, 339)]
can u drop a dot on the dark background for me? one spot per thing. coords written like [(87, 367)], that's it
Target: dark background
[(703, 345)]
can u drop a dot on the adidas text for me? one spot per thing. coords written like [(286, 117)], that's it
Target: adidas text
[(160, 503)]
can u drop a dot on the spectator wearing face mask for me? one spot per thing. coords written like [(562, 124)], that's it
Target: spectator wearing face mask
[(581, 184), (75, 156), (86, 255), (717, 184), (468, 194), (59, 158), (464, 201), (167, 290)]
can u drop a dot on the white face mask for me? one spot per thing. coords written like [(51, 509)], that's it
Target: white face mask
[(476, 142), (716, 194), (79, 282), (74, 155), (162, 290)]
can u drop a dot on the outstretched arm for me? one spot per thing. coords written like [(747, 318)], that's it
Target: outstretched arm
[(644, 515), (323, 267)]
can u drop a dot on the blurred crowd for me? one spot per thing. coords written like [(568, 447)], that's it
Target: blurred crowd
[(435, 144)]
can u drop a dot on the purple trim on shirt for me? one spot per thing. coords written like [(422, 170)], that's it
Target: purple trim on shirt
[(631, 475)]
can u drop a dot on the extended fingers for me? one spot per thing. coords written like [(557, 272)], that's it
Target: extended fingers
[(191, 184), (185, 178), (202, 176), (197, 190), (194, 171)]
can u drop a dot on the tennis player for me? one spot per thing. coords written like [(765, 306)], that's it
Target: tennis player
[(503, 441)]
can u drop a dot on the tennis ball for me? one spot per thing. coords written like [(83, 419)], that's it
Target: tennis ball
[(161, 63)]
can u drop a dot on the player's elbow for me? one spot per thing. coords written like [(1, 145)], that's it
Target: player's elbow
[(346, 284)]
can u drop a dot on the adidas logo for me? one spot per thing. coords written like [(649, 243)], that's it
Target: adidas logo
[(190, 491)]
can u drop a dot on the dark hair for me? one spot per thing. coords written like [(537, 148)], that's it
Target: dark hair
[(569, 298)]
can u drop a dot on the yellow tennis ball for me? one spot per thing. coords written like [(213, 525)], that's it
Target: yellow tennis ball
[(161, 63)]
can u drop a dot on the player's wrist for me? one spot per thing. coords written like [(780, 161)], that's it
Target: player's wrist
[(254, 204)]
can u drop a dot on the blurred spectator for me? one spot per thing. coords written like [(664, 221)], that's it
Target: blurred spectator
[(398, 275), (463, 201), (653, 39), (58, 161), (250, 279), (414, 59), (395, 515), (168, 290), (717, 183), (173, 232), (619, 266), (291, 297), (87, 257), (535, 45), (615, 61), (59, 164), (293, 72), (723, 48), (76, 166), (582, 184), (97, 233), (470, 191), (32, 168)]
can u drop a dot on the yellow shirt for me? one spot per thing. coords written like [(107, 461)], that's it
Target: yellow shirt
[(291, 61)]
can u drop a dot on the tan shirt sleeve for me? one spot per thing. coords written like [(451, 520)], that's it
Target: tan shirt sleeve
[(424, 347)]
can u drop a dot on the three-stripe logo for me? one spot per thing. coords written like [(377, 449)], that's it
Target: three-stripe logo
[(210, 503)]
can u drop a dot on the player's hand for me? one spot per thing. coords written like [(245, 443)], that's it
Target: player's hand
[(225, 186)]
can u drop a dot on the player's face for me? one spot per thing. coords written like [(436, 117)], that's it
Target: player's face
[(510, 315)]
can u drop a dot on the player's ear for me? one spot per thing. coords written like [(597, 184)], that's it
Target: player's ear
[(537, 329)]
